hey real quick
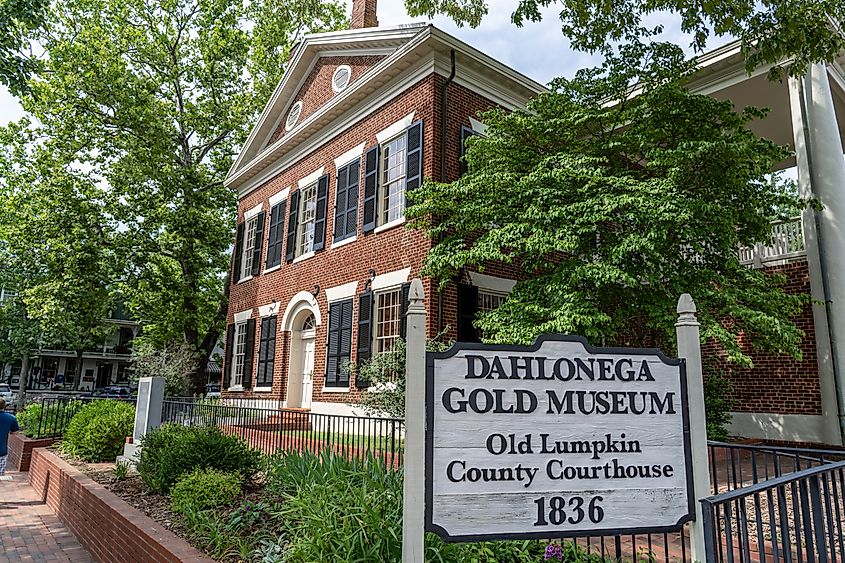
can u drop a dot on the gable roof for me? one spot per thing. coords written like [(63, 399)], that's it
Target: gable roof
[(409, 53)]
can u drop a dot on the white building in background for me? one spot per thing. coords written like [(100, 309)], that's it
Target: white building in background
[(104, 365)]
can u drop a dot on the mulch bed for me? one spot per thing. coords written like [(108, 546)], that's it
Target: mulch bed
[(135, 493)]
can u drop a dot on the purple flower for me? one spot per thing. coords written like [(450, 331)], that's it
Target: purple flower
[(553, 551)]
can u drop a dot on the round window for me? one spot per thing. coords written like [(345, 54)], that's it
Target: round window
[(293, 115), (340, 78)]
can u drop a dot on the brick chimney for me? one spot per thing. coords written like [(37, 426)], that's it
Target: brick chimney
[(364, 14)]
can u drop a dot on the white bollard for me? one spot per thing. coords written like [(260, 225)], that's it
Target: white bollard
[(689, 348), (413, 509), (147, 414)]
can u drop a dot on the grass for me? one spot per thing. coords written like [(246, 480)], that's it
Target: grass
[(384, 443)]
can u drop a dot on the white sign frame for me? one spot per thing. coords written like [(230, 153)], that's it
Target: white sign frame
[(598, 530)]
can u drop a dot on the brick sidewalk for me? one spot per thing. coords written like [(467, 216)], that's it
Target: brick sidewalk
[(30, 531)]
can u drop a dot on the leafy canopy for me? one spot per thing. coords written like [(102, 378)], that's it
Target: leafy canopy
[(152, 99), (616, 206), (770, 30)]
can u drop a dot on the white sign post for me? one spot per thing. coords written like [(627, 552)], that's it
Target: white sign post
[(555, 440), (413, 509), (689, 348)]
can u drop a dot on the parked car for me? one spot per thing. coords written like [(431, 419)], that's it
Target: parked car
[(112, 392), (212, 390), (11, 398)]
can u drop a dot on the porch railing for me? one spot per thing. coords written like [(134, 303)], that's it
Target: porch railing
[(786, 242)]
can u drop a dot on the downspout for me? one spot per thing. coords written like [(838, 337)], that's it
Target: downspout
[(444, 103), (834, 363)]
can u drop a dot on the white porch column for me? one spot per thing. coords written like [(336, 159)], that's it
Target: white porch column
[(822, 175), (828, 427)]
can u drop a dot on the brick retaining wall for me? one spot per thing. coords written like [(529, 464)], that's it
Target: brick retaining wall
[(105, 525), (20, 449)]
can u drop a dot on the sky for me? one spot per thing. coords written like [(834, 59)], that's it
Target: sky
[(538, 50)]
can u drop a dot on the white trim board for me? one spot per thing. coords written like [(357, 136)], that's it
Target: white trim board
[(395, 128), (311, 178), (243, 316), (390, 279), (250, 213), (279, 197), (269, 309), (787, 427), (483, 281), (352, 154), (341, 291)]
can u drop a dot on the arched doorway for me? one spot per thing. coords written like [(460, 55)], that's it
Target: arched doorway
[(301, 320)]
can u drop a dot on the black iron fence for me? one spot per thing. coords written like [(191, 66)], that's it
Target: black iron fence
[(274, 430), (769, 503), (792, 517), (48, 417)]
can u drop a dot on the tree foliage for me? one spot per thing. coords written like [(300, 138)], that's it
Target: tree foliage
[(616, 205), (771, 30), (153, 99), (18, 18), (56, 254)]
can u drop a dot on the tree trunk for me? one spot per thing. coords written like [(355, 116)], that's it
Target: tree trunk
[(23, 382)]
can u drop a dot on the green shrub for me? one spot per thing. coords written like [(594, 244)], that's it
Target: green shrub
[(42, 421), (169, 452), (717, 403), (334, 509), (203, 489), (98, 430)]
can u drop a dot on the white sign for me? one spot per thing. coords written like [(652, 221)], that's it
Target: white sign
[(553, 440)]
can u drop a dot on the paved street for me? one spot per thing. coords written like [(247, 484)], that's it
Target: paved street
[(29, 530)]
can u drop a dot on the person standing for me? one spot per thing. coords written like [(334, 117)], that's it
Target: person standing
[(8, 424)]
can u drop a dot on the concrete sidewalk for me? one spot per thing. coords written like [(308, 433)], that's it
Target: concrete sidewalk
[(29, 530)]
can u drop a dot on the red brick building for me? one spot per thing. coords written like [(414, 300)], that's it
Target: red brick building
[(323, 259)]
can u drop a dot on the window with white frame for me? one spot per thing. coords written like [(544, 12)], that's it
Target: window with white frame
[(307, 218), (490, 300), (239, 355), (388, 319), (392, 204), (248, 249)]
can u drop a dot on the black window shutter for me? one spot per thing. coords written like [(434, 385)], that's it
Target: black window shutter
[(266, 352), (332, 345), (365, 332), (259, 243), (345, 337), (276, 237), (466, 133), (346, 201), (249, 350), (239, 245), (293, 218), (413, 161), (320, 217), (230, 345), (341, 183), (371, 182), (467, 309), (403, 296)]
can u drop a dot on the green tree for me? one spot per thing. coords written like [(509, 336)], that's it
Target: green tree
[(805, 31), (616, 206), (154, 99), (56, 248), (18, 18)]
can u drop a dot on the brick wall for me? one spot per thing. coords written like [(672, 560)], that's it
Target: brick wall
[(317, 88), (20, 449), (386, 251), (105, 525), (778, 383)]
